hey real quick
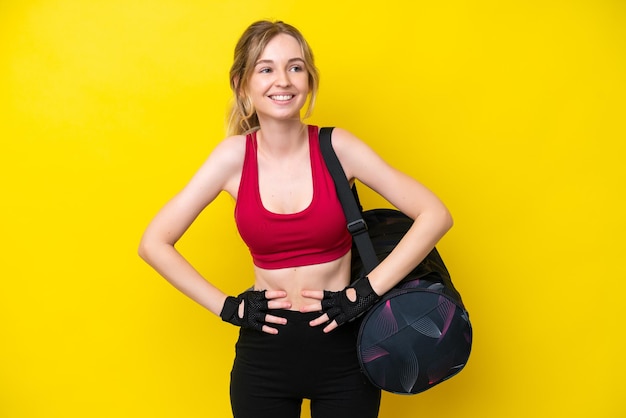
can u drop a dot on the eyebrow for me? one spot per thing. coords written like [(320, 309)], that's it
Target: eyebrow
[(271, 61)]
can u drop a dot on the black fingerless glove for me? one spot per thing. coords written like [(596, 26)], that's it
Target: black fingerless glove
[(338, 307), (254, 309)]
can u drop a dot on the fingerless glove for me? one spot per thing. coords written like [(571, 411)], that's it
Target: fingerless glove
[(254, 309), (338, 307)]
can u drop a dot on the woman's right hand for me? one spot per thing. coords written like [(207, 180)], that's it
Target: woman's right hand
[(249, 309)]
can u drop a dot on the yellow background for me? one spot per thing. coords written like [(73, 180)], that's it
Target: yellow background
[(513, 112)]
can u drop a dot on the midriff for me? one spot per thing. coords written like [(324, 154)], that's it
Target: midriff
[(333, 275)]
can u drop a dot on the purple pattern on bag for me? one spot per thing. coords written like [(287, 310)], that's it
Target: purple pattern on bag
[(434, 329), (427, 327), (409, 372), (372, 353), (386, 322), (446, 309)]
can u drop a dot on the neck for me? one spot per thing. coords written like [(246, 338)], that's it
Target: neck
[(281, 137)]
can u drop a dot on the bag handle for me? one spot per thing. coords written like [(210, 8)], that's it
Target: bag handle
[(349, 201)]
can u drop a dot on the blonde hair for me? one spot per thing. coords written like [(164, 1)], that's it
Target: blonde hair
[(243, 117)]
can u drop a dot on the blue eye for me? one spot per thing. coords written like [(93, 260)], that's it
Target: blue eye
[(296, 68), (264, 70)]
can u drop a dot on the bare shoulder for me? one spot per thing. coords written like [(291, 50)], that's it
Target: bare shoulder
[(361, 162), (355, 155), (226, 158), (343, 139), (223, 166), (230, 151)]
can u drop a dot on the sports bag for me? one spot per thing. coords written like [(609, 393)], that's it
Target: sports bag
[(419, 333)]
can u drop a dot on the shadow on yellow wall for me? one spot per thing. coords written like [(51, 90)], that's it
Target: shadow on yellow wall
[(511, 111)]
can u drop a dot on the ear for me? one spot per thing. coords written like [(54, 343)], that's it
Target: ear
[(241, 92)]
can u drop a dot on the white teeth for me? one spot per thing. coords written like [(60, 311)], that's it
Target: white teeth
[(281, 97)]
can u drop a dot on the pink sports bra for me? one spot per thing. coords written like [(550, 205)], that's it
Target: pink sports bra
[(317, 234)]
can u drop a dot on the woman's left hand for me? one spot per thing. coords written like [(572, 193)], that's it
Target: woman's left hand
[(342, 306)]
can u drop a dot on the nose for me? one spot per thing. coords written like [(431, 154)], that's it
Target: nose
[(283, 79)]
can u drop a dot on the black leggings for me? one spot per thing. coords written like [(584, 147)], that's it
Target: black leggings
[(272, 374)]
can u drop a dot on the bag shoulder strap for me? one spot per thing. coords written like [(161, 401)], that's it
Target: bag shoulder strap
[(349, 201)]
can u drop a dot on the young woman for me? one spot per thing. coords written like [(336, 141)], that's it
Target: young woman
[(297, 338)]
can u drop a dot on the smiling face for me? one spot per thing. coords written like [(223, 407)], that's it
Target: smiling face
[(279, 84)]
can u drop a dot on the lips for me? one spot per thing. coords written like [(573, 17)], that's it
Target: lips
[(282, 97)]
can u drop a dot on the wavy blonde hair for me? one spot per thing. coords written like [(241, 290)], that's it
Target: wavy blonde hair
[(243, 117)]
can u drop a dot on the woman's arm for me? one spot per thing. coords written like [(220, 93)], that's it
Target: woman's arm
[(157, 246), (431, 217), (431, 221)]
